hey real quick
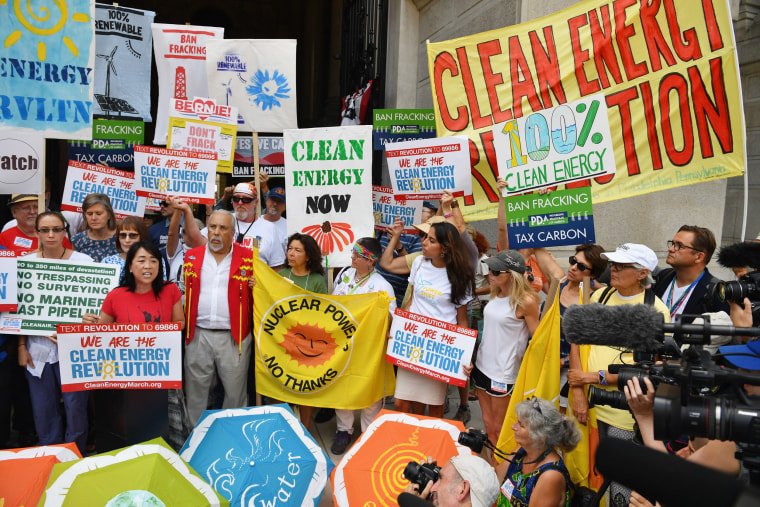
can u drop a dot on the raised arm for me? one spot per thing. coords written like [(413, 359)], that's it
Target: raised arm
[(390, 264)]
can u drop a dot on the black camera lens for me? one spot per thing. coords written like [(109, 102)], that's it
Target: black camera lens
[(421, 474), (614, 399), (474, 439)]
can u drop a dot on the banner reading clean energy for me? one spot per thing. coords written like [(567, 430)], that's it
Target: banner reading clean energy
[(53, 292), (8, 284), (120, 356), (46, 67), (319, 350), (122, 65), (668, 72), (84, 179)]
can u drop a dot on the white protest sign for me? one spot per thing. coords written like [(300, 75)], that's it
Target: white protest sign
[(161, 173), (202, 126), (8, 283), (21, 153), (386, 208), (83, 179), (431, 347), (328, 181), (53, 292), (559, 145), (424, 168), (120, 356)]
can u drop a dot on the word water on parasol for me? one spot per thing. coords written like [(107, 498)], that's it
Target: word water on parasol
[(150, 474), (371, 472), (24, 472), (258, 456)]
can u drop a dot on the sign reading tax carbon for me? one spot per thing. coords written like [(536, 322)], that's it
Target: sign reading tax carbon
[(306, 357)]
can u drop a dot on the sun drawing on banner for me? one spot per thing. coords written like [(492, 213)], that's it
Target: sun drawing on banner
[(308, 345), (330, 236), (108, 369), (378, 217), (268, 91), (43, 22)]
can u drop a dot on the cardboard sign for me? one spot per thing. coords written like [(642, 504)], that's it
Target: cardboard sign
[(113, 143), (47, 64), (120, 356), (431, 347), (122, 66), (21, 160), (559, 218), (328, 182), (556, 146), (422, 170), (386, 208), (668, 71), (161, 173), (84, 179), (53, 292), (181, 63), (395, 125), (8, 283)]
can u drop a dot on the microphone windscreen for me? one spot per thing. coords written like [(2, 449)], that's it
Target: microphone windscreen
[(670, 480), (637, 327), (740, 255)]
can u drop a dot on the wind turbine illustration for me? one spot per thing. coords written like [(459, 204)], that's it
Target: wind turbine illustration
[(110, 66), (228, 87)]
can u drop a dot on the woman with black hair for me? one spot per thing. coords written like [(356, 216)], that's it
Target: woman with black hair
[(304, 261), (442, 284)]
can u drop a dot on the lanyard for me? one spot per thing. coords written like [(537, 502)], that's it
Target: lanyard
[(359, 283), (675, 306)]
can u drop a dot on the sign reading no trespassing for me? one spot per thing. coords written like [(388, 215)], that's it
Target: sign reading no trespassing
[(430, 347), (120, 356)]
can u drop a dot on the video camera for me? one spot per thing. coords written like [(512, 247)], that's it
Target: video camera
[(738, 255), (421, 474)]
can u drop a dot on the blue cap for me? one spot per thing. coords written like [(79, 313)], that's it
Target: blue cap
[(429, 205), (746, 362), (277, 193)]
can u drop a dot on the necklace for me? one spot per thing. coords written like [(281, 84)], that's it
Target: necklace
[(61, 257), (241, 235), (358, 283), (307, 278)]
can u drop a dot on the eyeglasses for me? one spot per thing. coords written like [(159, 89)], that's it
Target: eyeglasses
[(163, 204), (497, 273), (48, 230), (619, 267), (581, 267), (129, 235), (246, 200), (677, 245), (529, 276)]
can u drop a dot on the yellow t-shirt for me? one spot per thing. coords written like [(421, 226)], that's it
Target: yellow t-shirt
[(601, 356)]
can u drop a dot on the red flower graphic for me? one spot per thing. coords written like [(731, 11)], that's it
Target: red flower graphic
[(330, 236)]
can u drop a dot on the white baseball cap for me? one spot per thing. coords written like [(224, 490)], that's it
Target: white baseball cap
[(634, 253), (484, 485)]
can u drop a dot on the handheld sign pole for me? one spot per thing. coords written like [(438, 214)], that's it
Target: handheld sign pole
[(256, 176)]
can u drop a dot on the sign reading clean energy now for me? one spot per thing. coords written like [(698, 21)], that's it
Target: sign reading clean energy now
[(431, 347), (120, 356), (53, 292), (556, 219)]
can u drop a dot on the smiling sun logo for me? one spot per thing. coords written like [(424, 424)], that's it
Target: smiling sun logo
[(308, 345)]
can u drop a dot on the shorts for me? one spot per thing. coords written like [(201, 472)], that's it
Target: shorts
[(481, 381)]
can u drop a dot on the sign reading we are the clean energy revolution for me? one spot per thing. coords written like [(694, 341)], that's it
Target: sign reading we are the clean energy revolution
[(120, 356), (563, 144), (386, 209), (8, 284), (431, 347), (559, 218), (54, 292), (161, 173), (425, 168), (84, 179)]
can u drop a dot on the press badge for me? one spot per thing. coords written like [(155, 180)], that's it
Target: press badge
[(499, 387), (507, 488)]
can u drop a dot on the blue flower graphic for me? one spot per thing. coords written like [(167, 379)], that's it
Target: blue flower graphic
[(266, 91)]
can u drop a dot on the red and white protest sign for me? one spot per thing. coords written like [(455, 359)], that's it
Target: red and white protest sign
[(8, 281), (431, 347), (424, 168), (120, 356), (83, 179), (386, 209), (161, 173)]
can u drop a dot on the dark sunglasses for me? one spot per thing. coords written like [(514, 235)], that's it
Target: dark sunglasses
[(246, 200), (56, 230), (529, 274), (497, 273), (581, 267), (129, 235), (163, 204)]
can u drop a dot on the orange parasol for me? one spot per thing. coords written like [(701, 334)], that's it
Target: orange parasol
[(24, 472)]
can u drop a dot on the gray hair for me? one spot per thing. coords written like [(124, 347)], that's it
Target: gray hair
[(546, 426), (647, 280), (223, 212)]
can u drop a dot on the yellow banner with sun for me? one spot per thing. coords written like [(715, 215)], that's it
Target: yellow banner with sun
[(319, 350)]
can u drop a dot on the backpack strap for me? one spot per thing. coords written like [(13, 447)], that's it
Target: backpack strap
[(649, 297), (606, 294)]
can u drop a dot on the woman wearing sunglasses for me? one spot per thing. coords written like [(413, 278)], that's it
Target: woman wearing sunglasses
[(509, 318), (128, 232)]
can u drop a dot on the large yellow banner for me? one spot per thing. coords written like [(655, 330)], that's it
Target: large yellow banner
[(667, 71), (319, 350)]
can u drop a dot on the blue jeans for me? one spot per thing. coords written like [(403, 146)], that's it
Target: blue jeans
[(45, 393)]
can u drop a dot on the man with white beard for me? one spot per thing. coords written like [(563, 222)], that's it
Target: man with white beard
[(219, 308)]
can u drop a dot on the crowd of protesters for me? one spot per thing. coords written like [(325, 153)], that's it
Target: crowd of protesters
[(181, 269)]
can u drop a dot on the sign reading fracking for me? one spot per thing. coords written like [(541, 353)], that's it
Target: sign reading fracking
[(120, 356), (560, 218), (667, 72), (394, 125), (113, 143), (46, 67)]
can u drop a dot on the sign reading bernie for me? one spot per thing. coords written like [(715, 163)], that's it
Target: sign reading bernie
[(666, 72)]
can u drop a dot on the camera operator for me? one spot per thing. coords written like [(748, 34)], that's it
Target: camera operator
[(464, 480)]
